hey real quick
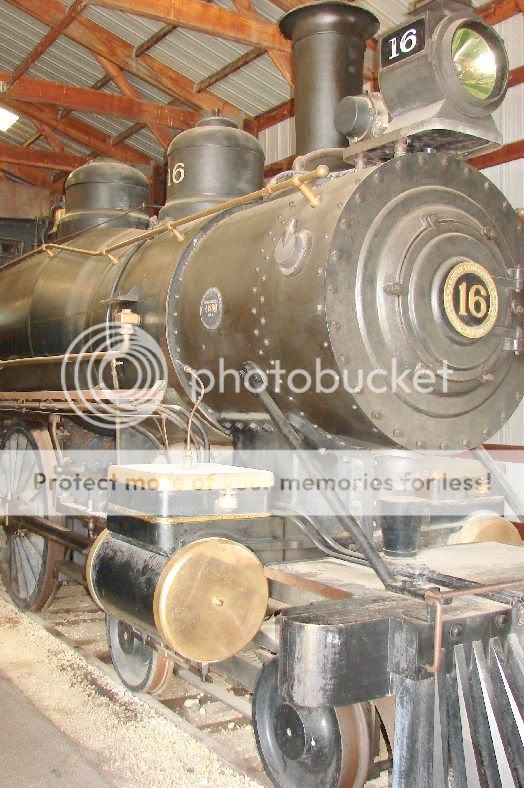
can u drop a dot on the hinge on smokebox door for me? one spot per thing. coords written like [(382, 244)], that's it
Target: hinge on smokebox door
[(514, 337)]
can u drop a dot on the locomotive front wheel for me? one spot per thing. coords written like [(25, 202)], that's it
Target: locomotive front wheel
[(140, 667), (303, 747), (29, 565)]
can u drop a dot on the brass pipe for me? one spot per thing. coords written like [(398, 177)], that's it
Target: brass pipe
[(67, 357), (30, 360), (296, 182)]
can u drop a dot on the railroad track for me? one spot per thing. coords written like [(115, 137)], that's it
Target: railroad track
[(214, 713)]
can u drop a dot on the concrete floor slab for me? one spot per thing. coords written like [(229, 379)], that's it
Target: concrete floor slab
[(34, 752)]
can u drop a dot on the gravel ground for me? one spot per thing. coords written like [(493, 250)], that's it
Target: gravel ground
[(127, 738)]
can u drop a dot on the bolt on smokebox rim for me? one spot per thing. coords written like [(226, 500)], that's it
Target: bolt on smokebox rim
[(302, 22)]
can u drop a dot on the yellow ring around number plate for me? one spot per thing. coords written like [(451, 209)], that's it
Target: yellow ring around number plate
[(465, 330)]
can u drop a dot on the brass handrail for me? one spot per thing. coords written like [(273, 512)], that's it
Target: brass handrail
[(295, 182)]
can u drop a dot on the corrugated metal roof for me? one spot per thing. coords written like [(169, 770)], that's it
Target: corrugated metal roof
[(255, 88)]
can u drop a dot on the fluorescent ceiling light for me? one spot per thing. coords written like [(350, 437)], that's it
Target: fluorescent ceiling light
[(7, 119)]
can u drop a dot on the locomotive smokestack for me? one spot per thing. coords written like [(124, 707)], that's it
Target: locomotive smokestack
[(329, 42)]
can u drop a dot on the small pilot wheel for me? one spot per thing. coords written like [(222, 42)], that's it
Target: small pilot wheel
[(29, 564), (309, 747), (140, 667)]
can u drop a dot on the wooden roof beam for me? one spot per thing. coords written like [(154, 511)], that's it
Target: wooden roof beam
[(154, 39), (282, 60), (48, 40), (32, 176), (49, 160), (49, 135), (162, 134), (101, 41), (98, 85), (499, 10), (213, 20), (86, 100), (230, 68), (77, 130), (503, 155), (270, 118), (492, 12)]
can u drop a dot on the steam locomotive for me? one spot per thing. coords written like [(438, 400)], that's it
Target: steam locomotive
[(384, 630)]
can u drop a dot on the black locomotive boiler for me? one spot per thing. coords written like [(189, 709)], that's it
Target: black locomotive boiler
[(386, 630)]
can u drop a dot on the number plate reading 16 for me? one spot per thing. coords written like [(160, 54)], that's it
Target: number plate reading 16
[(403, 43)]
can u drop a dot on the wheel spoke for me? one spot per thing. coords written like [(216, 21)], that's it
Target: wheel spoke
[(28, 558), (37, 543), (21, 581), (10, 460), (19, 459), (25, 477)]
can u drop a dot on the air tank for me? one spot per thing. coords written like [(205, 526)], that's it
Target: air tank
[(106, 193), (210, 164)]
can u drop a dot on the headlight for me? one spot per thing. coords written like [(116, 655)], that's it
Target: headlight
[(443, 57), (474, 62)]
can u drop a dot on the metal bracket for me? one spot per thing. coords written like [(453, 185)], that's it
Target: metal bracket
[(515, 341), (131, 297), (514, 280)]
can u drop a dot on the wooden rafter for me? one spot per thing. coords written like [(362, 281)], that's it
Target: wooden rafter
[(230, 68), (48, 160), (101, 41), (154, 39), (503, 155), (32, 176), (516, 77), (98, 85), (499, 10), (48, 40), (117, 75), (493, 12), (270, 118), (77, 130), (284, 63), (282, 60), (213, 20), (126, 134), (48, 134), (86, 100)]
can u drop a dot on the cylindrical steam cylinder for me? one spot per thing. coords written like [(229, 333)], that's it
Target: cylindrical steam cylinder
[(104, 193), (210, 164), (329, 42), (206, 602)]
